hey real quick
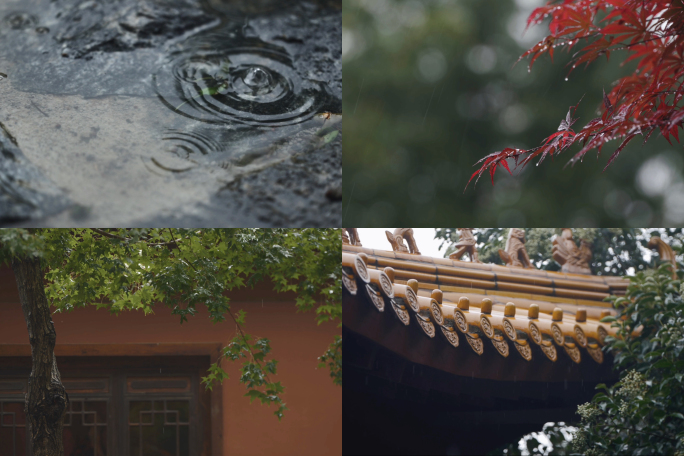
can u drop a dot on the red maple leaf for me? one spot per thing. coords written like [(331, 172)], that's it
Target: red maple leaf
[(652, 33)]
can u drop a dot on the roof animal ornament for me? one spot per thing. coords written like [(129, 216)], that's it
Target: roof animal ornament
[(353, 237), (572, 259), (665, 252), (397, 240), (466, 244), (515, 254)]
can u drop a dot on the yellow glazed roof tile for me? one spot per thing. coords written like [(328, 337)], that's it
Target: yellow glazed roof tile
[(488, 307)]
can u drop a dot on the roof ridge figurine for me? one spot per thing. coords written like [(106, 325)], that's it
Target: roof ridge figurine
[(353, 238), (397, 240), (572, 259), (466, 244), (515, 254), (665, 252)]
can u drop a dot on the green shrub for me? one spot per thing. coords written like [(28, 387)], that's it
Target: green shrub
[(643, 413)]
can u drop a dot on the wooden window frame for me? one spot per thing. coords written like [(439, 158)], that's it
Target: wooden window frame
[(117, 361)]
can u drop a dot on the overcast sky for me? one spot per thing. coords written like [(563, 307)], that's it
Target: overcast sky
[(375, 238)]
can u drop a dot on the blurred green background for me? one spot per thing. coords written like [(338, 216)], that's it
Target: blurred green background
[(430, 88)]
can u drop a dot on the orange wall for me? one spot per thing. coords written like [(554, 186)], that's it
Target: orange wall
[(312, 426)]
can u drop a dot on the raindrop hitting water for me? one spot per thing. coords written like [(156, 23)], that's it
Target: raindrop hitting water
[(187, 144), (185, 150), (222, 79), (257, 79)]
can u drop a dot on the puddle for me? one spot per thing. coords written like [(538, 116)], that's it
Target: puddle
[(224, 78), (154, 112)]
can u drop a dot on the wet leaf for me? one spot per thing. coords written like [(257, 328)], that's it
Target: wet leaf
[(606, 103), (210, 91), (644, 100), (330, 136)]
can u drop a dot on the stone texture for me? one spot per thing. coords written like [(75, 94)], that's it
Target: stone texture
[(25, 193)]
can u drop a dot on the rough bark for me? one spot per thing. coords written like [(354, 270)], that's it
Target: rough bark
[(46, 400)]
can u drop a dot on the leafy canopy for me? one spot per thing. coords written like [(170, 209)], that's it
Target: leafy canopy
[(137, 269), (641, 414), (651, 33)]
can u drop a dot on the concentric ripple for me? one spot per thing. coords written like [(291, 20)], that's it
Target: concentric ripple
[(253, 83), (190, 145)]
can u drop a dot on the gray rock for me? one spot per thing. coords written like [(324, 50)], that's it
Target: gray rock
[(118, 25), (295, 193), (25, 193), (96, 48), (312, 37)]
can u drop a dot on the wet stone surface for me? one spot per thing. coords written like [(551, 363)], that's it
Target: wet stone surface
[(25, 193), (201, 112)]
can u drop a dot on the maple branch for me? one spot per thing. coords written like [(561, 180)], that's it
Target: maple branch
[(244, 338)]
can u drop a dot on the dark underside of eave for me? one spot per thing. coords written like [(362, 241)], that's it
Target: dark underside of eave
[(405, 393)]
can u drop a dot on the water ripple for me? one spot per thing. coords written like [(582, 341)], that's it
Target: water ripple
[(190, 145), (218, 78)]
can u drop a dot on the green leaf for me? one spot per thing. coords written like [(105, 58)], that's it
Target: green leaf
[(330, 136), (209, 91), (254, 394), (662, 363), (240, 317)]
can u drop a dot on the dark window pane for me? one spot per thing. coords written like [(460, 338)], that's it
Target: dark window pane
[(159, 428), (12, 429), (140, 412), (183, 410), (85, 428)]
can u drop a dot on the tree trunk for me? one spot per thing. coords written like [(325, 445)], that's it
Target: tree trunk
[(46, 400)]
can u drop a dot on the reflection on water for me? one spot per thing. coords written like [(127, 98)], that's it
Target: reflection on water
[(224, 78)]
